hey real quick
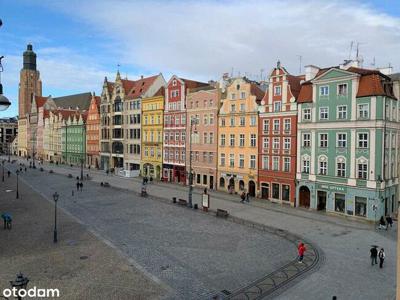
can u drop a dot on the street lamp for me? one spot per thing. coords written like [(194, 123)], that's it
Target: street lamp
[(9, 152), (3, 170), (4, 102), (55, 197), (190, 202), (81, 169), (17, 172), (20, 283)]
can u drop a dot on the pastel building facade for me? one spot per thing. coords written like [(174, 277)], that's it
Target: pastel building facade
[(202, 133), (92, 133), (152, 135), (238, 137), (277, 137), (348, 132), (73, 139)]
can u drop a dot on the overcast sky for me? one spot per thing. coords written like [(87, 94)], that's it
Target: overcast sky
[(80, 42)]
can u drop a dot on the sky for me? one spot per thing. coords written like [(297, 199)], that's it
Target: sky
[(78, 43)]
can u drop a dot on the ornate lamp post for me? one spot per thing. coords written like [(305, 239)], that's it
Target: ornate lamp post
[(55, 198), (20, 283), (193, 121), (17, 172), (4, 102)]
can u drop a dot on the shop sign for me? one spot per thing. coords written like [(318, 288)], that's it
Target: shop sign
[(332, 188)]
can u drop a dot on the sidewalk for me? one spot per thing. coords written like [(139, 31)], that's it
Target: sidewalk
[(80, 265)]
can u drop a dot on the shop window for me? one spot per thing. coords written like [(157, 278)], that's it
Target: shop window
[(361, 207), (340, 202), (285, 192), (275, 190)]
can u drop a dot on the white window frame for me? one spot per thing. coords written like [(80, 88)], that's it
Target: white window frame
[(286, 164), (322, 165), (364, 162), (277, 90), (277, 106), (323, 143), (306, 142), (339, 141), (364, 142), (342, 171), (306, 114), (341, 112), (364, 110), (325, 112), (324, 90), (338, 89)]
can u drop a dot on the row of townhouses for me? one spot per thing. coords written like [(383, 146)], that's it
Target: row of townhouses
[(326, 140)]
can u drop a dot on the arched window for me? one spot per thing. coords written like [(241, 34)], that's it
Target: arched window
[(362, 168), (322, 165), (341, 166)]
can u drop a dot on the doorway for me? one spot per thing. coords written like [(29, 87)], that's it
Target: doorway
[(252, 188), (265, 190), (304, 196), (321, 205), (211, 182)]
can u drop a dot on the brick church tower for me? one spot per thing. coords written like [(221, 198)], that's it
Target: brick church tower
[(29, 82)]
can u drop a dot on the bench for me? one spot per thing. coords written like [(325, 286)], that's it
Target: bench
[(182, 202), (222, 213), (51, 171)]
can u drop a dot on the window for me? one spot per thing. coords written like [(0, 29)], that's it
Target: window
[(341, 140), (362, 168), (253, 120), (306, 114), (341, 167), (242, 121), (277, 106), (363, 111), (363, 140), (285, 192), (265, 162), (233, 96), (323, 113), (306, 164), (210, 157), (205, 155), (276, 125), (253, 140), (231, 160), (241, 160), (211, 120), (277, 90), (242, 107), (323, 140), (340, 202), (232, 140), (241, 140), (275, 163), (265, 143), (222, 159), (252, 161), (242, 95), (222, 122), (275, 190), (275, 143), (286, 143), (232, 121), (265, 125), (324, 90), (306, 140), (342, 89), (205, 138), (342, 112), (323, 165), (233, 107), (361, 206), (287, 125), (211, 138), (286, 164), (205, 119)]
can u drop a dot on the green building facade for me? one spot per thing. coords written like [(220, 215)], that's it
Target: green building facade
[(73, 136), (348, 132)]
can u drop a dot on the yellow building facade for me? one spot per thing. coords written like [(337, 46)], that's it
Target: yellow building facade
[(237, 137), (22, 137), (152, 135)]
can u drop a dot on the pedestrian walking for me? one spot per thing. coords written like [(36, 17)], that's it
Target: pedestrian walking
[(301, 250), (381, 256), (77, 185), (382, 223), (389, 221), (8, 173), (248, 197), (81, 185), (374, 255), (25, 169), (242, 196)]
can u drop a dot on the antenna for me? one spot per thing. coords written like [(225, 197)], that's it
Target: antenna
[(357, 52), (351, 49), (232, 72), (373, 62), (300, 61)]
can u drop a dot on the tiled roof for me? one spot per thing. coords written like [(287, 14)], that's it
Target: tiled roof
[(305, 94), (65, 113), (294, 82), (256, 91), (160, 92), (81, 101), (190, 84), (127, 85), (40, 101), (375, 85), (139, 87)]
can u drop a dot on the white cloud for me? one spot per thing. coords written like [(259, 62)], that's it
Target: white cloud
[(206, 38)]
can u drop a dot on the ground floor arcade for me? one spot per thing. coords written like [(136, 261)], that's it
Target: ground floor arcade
[(237, 183), (151, 169)]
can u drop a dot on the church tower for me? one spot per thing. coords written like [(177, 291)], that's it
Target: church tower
[(29, 82)]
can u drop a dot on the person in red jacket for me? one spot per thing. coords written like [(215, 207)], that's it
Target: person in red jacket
[(301, 249)]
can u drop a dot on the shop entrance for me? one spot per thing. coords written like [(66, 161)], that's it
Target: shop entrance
[(304, 196), (321, 205)]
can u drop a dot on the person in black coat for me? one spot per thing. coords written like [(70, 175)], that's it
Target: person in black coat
[(374, 255)]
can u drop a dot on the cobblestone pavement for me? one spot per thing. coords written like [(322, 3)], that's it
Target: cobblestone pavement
[(80, 265), (346, 273), (195, 253)]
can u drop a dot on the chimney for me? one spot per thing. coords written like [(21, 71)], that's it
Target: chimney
[(311, 71), (141, 76)]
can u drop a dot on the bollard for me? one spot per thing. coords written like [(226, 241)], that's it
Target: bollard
[(173, 199), (195, 206)]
